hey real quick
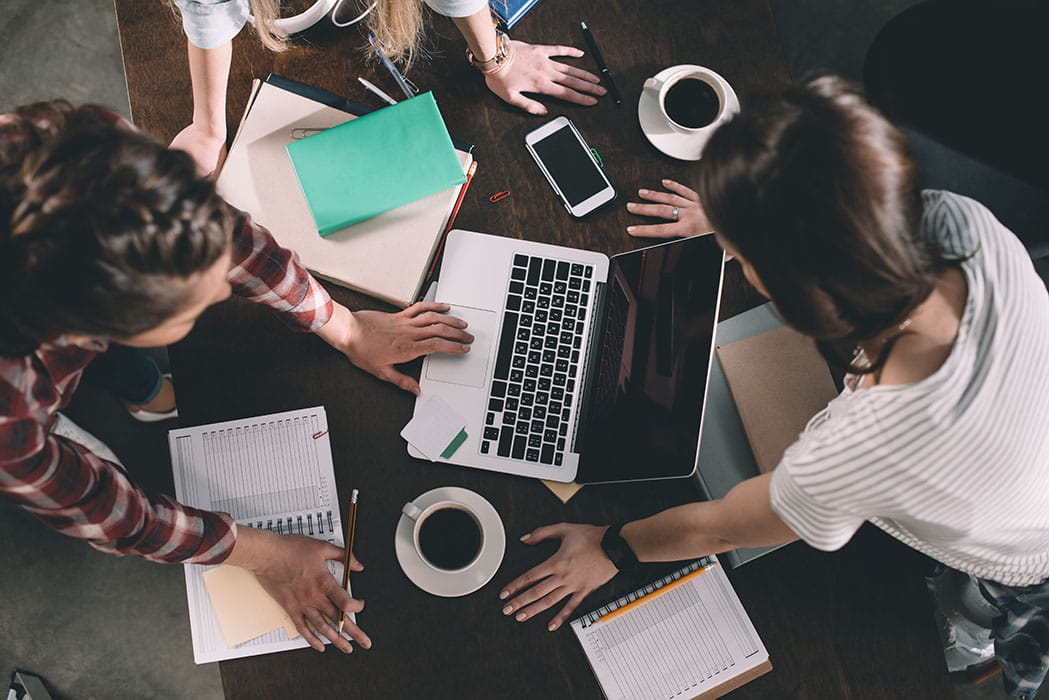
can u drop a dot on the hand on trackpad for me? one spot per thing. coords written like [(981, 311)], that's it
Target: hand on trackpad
[(468, 369)]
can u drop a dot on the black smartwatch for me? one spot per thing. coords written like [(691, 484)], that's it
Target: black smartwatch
[(618, 550)]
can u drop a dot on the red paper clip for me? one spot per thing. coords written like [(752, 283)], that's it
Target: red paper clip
[(499, 195), (317, 436)]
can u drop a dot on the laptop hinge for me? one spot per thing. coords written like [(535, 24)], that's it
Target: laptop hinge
[(591, 362)]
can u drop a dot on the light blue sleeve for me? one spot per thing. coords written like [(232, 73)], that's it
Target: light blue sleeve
[(211, 23), (456, 8)]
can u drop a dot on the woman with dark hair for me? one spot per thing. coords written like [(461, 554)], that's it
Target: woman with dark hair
[(941, 436), (108, 237)]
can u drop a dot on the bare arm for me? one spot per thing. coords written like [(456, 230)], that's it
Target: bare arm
[(205, 137), (532, 68), (743, 518)]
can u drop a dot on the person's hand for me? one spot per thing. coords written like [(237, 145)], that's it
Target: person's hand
[(691, 220), (533, 69), (577, 568), (376, 341), (291, 568), (208, 149)]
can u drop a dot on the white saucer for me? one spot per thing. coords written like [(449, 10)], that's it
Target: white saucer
[(459, 583), (671, 140)]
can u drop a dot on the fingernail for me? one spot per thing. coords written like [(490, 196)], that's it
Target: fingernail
[(630, 205), (629, 229), (552, 626), (508, 609), (466, 348), (503, 595), (666, 181), (520, 617), (367, 644), (525, 536), (642, 192)]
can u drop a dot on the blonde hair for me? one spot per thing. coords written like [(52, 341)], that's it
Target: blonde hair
[(266, 13), (398, 28), (397, 25)]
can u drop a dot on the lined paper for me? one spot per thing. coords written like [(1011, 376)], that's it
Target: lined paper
[(272, 472), (685, 641)]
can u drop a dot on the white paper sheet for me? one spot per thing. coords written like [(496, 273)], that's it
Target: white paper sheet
[(272, 472)]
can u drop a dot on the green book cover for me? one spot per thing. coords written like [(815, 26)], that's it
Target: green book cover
[(375, 163)]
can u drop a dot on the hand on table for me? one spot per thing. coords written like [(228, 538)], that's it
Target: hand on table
[(691, 219), (533, 69), (376, 341), (208, 150), (291, 568), (577, 568)]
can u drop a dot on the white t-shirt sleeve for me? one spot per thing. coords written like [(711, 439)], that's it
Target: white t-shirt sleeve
[(456, 8), (816, 521), (209, 24)]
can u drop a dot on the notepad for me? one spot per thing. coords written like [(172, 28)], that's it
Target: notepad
[(691, 639), (387, 256), (511, 11), (375, 163), (273, 472)]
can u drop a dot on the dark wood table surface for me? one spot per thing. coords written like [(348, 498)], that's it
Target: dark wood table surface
[(850, 624)]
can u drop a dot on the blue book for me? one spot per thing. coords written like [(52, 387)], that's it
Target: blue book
[(510, 11)]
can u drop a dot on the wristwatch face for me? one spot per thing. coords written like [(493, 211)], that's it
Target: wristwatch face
[(618, 550)]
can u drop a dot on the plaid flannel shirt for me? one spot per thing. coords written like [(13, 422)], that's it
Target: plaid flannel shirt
[(78, 493)]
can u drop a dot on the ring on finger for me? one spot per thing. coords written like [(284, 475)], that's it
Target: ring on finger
[(674, 214)]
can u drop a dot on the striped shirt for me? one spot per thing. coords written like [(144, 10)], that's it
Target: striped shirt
[(957, 464)]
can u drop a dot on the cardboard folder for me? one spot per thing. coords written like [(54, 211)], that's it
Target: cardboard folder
[(778, 380)]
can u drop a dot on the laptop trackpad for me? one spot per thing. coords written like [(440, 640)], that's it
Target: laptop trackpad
[(469, 369)]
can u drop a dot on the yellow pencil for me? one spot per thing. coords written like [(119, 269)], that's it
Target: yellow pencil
[(653, 594), (351, 527)]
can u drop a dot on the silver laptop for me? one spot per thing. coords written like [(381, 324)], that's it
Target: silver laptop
[(584, 368)]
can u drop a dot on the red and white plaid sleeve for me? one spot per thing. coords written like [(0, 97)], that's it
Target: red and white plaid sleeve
[(76, 492), (266, 273)]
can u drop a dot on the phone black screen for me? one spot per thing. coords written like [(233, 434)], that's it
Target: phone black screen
[(571, 167)]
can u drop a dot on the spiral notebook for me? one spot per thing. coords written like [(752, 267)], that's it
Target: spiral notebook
[(683, 636), (272, 472)]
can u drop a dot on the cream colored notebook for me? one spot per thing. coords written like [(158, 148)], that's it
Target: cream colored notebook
[(385, 257), (778, 381)]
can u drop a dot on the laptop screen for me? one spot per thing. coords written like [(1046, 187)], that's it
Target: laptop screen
[(648, 382)]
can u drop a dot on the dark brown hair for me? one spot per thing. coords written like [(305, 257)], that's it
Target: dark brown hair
[(818, 192), (101, 227)]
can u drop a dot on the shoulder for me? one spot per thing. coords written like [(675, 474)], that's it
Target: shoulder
[(964, 227), (456, 8), (209, 24)]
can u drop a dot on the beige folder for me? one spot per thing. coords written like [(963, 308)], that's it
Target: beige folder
[(778, 380), (385, 257)]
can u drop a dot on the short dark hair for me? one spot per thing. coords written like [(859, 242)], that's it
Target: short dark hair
[(101, 227), (818, 192)]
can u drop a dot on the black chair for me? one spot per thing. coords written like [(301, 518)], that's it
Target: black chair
[(965, 79)]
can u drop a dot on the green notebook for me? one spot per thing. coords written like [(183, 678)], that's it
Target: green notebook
[(375, 163)]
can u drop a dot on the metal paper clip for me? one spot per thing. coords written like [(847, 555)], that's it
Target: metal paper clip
[(303, 132)]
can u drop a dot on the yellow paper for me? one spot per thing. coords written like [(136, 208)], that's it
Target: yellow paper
[(243, 607), (562, 490)]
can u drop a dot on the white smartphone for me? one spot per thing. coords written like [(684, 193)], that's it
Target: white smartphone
[(570, 167)]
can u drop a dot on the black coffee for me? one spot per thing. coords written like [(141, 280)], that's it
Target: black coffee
[(692, 103), (449, 538)]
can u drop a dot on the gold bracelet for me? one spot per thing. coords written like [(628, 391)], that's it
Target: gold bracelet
[(503, 54)]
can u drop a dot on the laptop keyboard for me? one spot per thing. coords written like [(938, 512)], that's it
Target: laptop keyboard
[(537, 368)]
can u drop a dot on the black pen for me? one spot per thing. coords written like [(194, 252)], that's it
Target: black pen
[(609, 81)]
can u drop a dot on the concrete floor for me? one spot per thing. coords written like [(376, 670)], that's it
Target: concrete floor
[(97, 626)]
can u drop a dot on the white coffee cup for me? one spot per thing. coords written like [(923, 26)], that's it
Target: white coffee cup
[(466, 541), (695, 114)]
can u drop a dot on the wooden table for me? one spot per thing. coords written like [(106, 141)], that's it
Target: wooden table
[(854, 623)]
